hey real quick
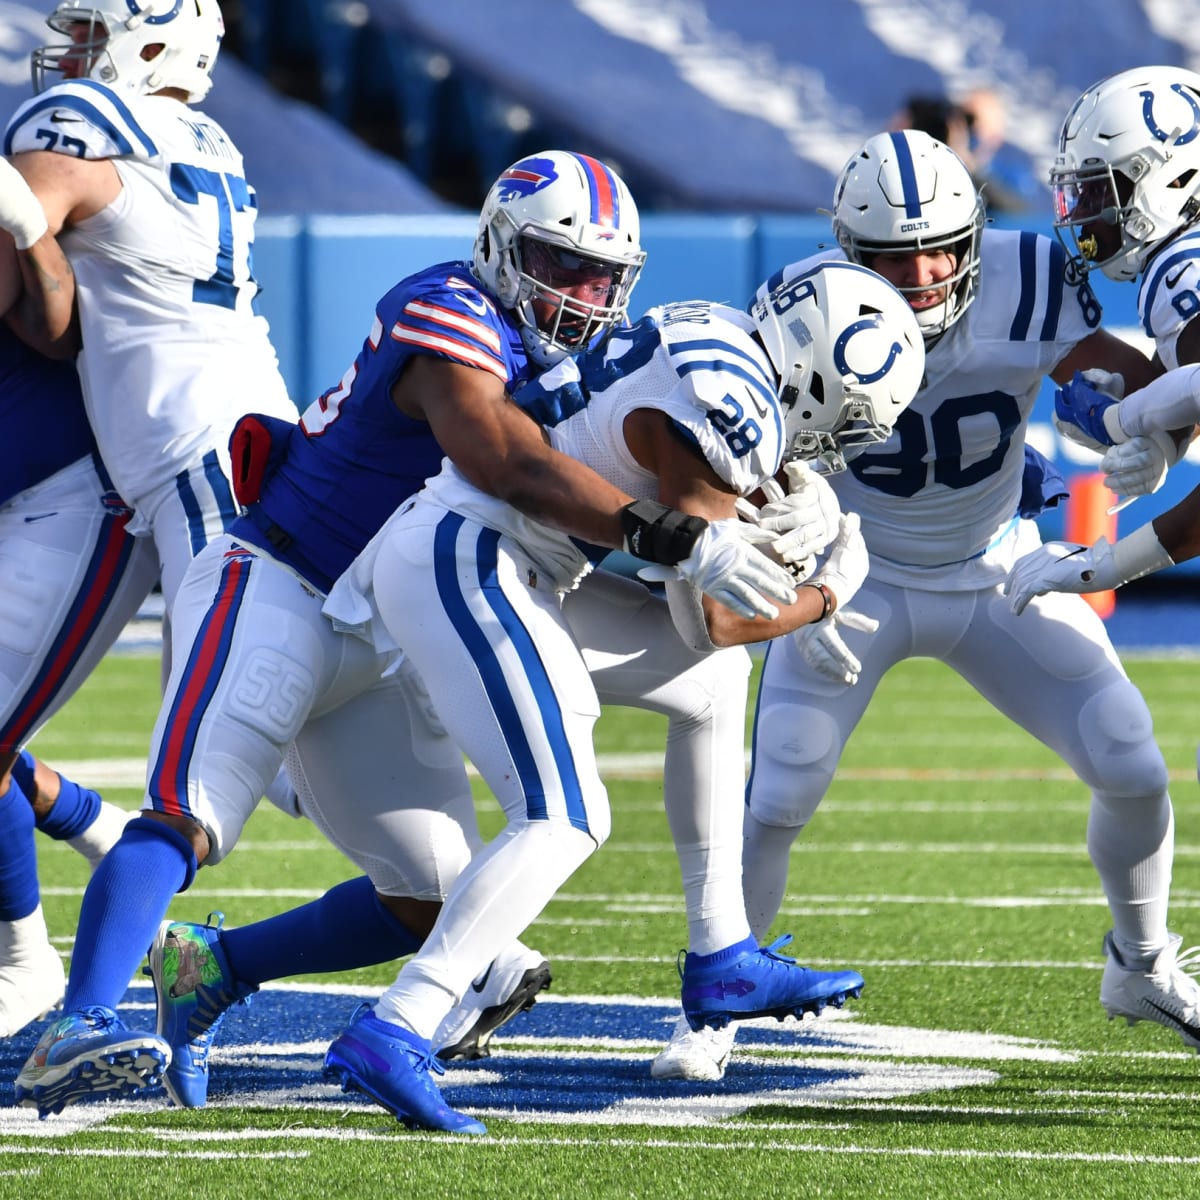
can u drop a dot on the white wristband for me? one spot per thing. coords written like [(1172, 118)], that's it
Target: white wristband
[(1138, 554)]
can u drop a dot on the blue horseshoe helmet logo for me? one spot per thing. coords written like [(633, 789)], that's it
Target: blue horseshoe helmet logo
[(1159, 134), (839, 350)]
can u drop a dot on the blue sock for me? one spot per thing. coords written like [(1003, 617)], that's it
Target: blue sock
[(19, 894), (74, 810), (347, 927), (124, 904)]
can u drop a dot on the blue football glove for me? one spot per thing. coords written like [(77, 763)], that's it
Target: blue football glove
[(1080, 405)]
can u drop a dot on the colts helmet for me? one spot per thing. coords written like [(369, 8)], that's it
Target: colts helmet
[(107, 43), (553, 221), (1127, 173), (904, 193), (849, 356)]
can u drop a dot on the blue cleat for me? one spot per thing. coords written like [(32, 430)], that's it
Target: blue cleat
[(392, 1065), (86, 1054), (745, 980), (193, 985)]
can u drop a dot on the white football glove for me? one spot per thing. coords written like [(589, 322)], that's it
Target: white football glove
[(1139, 466), (21, 211), (846, 565), (822, 647), (1108, 382), (804, 521), (725, 565), (1069, 567)]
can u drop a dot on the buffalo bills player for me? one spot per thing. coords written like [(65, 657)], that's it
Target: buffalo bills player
[(258, 671), (73, 579), (945, 507), (683, 409)]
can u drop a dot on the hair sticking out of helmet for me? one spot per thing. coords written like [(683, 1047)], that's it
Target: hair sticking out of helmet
[(143, 46), (905, 193), (849, 357), (559, 247), (1127, 174)]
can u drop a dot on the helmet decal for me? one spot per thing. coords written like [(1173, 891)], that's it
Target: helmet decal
[(606, 205), (146, 12), (875, 321), (1162, 135), (525, 178), (908, 175)]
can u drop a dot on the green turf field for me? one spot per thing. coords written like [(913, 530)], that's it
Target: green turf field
[(947, 864)]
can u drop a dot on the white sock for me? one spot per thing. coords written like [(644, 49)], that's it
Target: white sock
[(102, 834)]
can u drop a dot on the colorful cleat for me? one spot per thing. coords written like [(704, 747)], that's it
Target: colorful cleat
[(1166, 992), (193, 986), (745, 980), (506, 988), (696, 1054), (87, 1054), (393, 1066)]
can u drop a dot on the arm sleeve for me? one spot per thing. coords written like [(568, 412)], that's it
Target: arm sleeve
[(1172, 401)]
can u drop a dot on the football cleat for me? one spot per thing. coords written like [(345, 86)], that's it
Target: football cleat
[(745, 980), (89, 1053), (394, 1067), (193, 986), (697, 1054), (1167, 992), (506, 988)]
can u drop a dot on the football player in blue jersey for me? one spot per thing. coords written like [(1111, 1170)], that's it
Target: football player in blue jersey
[(1126, 185), (258, 672), (946, 507), (73, 578)]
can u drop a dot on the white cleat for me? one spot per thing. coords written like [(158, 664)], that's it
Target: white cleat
[(509, 986), (697, 1054), (32, 979), (1167, 992)]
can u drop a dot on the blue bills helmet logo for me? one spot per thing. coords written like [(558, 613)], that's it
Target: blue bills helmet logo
[(526, 178)]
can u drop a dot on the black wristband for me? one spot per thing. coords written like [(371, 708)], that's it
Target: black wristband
[(659, 534), (826, 597)]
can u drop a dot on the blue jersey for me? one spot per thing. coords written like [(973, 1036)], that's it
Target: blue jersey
[(354, 457), (41, 409)]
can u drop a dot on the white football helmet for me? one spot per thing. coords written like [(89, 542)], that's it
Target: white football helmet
[(1127, 173), (906, 192), (552, 221), (849, 355), (108, 43)]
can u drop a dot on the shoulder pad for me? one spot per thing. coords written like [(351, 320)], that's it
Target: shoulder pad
[(79, 117)]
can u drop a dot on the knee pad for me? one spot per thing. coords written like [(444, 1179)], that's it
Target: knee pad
[(145, 829), (796, 752), (1117, 736)]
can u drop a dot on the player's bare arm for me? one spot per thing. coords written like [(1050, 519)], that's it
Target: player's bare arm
[(504, 453), (687, 482), (1110, 353)]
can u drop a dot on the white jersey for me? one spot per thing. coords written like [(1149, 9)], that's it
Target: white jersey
[(1169, 294), (939, 498), (173, 350), (697, 362)]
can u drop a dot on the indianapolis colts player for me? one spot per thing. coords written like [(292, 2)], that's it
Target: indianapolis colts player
[(259, 672), (683, 409), (1126, 185), (73, 578), (149, 199), (945, 507)]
